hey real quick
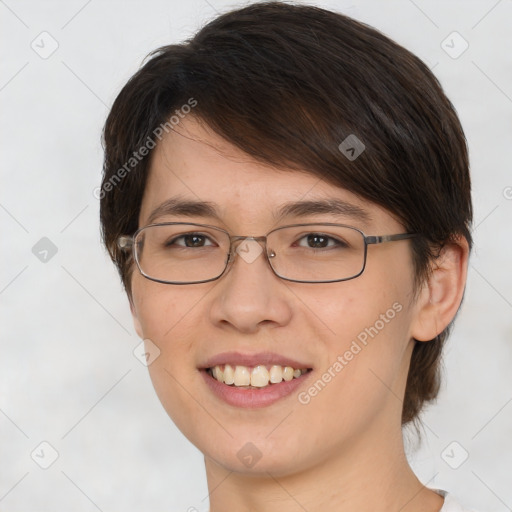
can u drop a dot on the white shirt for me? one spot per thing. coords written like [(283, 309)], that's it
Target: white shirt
[(450, 503)]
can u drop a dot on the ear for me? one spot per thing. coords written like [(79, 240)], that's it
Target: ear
[(136, 322), (441, 295)]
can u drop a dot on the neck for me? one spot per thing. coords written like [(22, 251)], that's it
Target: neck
[(364, 475)]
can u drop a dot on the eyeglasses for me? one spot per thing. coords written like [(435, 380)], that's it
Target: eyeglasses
[(189, 253)]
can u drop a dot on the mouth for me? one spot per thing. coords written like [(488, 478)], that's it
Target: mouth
[(256, 377), (255, 380)]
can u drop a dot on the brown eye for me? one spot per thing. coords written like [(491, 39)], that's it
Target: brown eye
[(190, 240), (320, 241)]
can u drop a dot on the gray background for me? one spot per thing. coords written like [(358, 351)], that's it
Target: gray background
[(67, 372)]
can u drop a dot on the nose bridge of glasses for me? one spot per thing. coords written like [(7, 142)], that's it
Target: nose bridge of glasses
[(247, 247), (237, 239)]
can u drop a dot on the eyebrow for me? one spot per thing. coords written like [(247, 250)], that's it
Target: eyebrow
[(207, 209), (329, 206)]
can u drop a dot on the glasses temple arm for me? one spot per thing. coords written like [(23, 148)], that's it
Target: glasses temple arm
[(389, 238), (125, 242)]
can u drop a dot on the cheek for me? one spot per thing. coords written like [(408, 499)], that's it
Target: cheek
[(365, 347), (161, 308), (364, 373), (360, 309), (169, 317)]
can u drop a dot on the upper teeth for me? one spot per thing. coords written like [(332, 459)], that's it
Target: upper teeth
[(259, 376)]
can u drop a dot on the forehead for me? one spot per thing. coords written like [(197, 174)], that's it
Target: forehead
[(195, 158), (193, 163)]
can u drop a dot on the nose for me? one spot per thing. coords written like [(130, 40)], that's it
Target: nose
[(249, 295)]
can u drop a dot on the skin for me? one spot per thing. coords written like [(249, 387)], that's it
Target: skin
[(343, 450)]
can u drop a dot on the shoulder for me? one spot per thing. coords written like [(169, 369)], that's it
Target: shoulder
[(451, 504)]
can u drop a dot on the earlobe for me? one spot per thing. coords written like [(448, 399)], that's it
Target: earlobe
[(442, 294)]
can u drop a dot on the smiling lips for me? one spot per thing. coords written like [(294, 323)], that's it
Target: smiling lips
[(253, 380), (251, 371)]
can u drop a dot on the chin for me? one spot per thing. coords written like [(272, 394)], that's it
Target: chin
[(255, 459)]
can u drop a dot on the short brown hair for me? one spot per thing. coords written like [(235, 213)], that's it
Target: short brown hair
[(287, 84)]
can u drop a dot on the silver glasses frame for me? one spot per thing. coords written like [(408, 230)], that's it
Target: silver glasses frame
[(127, 243)]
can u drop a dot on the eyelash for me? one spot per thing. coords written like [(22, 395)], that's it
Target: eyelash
[(338, 243)]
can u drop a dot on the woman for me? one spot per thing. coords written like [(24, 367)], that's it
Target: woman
[(287, 199)]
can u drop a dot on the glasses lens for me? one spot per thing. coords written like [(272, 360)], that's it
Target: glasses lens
[(317, 252), (188, 253), (181, 253)]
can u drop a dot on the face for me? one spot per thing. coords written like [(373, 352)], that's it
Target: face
[(353, 337)]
